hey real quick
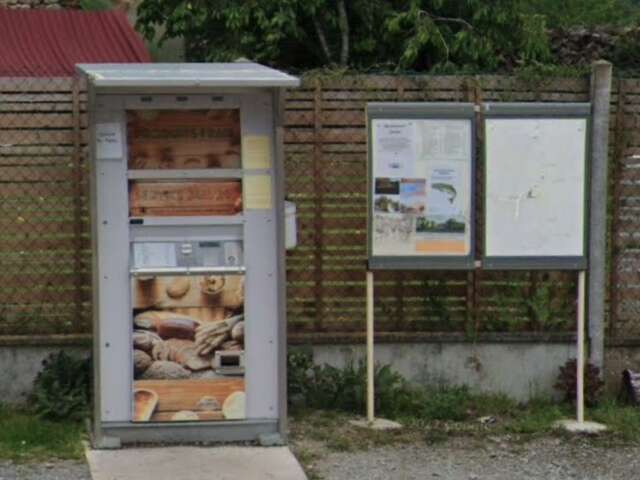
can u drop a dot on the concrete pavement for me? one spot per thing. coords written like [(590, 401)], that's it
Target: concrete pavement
[(195, 463)]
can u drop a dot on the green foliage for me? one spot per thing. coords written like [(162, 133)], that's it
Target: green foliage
[(329, 388), (437, 35), (435, 303), (467, 34), (623, 420), (505, 316), (548, 307), (95, 5), (538, 416), (62, 389), (26, 437), (571, 13), (279, 32)]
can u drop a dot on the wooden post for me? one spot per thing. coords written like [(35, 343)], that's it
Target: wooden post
[(318, 190), (78, 321), (474, 276), (620, 146), (580, 349), (370, 357)]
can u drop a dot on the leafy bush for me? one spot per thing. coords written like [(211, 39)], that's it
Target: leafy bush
[(567, 383), (62, 389), (330, 388)]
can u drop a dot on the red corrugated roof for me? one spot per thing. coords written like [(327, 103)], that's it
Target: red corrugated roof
[(48, 43)]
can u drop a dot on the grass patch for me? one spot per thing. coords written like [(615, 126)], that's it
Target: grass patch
[(25, 437), (622, 420), (537, 417)]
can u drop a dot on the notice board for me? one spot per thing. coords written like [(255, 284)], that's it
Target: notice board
[(535, 185), (420, 190)]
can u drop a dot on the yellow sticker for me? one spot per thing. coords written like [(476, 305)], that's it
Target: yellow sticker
[(257, 192), (256, 152)]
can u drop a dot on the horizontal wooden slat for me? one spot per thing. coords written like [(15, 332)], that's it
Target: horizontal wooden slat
[(40, 120), (36, 84), (37, 107), (36, 173), (14, 137)]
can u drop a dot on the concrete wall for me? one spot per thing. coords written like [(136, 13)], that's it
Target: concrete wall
[(20, 365), (616, 360), (520, 370)]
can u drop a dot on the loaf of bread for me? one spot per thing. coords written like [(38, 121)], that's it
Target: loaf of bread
[(167, 324), (141, 361), (165, 370), (145, 340)]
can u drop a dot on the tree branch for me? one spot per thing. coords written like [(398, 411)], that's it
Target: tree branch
[(322, 38), (438, 18), (343, 23)]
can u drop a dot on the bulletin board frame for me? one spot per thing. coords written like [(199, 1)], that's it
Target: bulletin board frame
[(422, 111), (528, 111)]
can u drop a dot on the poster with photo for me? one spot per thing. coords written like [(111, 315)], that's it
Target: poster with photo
[(422, 202), (443, 228), (188, 348)]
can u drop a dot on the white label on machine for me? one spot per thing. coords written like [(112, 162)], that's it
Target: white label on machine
[(154, 254), (108, 141)]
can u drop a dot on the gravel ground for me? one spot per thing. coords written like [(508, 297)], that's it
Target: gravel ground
[(495, 458), (56, 470)]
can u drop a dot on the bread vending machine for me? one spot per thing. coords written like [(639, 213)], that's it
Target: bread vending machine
[(187, 211)]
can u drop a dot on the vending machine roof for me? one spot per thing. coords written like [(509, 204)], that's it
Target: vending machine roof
[(185, 75)]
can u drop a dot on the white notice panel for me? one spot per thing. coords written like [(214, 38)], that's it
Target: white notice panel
[(535, 190)]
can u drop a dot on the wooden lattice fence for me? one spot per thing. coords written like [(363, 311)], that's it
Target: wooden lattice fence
[(45, 248)]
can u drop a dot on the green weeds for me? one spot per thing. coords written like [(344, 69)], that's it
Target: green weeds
[(26, 437)]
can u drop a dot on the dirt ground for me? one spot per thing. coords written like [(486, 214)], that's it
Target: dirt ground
[(330, 448), (51, 470), (496, 458)]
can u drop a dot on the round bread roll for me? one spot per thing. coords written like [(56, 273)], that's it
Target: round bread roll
[(233, 406), (178, 287), (185, 416)]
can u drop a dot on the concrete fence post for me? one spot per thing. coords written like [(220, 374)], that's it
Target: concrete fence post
[(600, 102)]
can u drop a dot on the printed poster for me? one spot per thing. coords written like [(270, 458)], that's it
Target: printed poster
[(188, 348), (422, 206), (394, 147)]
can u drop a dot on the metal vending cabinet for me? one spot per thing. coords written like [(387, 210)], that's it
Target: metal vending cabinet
[(187, 209)]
